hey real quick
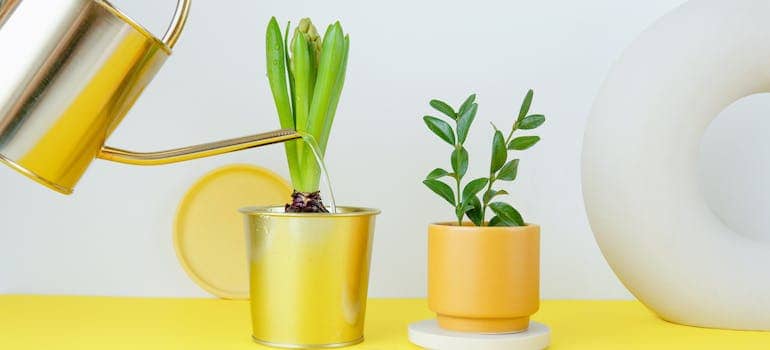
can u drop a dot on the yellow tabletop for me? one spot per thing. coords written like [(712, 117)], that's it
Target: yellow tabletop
[(45, 322)]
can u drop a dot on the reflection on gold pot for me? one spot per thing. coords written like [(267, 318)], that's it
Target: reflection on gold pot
[(309, 275)]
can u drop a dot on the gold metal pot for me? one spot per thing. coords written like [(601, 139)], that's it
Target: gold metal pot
[(309, 275), (69, 72)]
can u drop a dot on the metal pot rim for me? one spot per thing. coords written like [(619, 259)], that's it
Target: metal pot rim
[(277, 211)]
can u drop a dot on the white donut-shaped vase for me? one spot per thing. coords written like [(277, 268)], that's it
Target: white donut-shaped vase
[(639, 171)]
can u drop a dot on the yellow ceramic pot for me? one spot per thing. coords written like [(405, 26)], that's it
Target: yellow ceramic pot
[(483, 279)]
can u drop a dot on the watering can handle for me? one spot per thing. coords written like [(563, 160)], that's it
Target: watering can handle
[(197, 151), (177, 24)]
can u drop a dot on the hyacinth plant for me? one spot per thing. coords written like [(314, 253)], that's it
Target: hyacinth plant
[(306, 76), (466, 200)]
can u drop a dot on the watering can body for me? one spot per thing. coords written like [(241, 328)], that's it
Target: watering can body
[(71, 70)]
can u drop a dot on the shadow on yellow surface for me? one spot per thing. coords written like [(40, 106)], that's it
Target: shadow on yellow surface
[(48, 322)]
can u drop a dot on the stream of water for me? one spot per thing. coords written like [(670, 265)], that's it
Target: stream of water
[(313, 145)]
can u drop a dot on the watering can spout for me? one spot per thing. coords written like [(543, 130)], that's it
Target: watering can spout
[(197, 151)]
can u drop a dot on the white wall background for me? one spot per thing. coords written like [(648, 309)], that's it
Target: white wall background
[(113, 237)]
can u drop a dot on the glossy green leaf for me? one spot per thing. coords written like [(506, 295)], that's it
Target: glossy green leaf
[(531, 121), (467, 104), (287, 59), (474, 187), (459, 213), (300, 67), (443, 107), (525, 105), (467, 205), (276, 73), (499, 153), (460, 162), (495, 221), (326, 87), (441, 189), (440, 128), (490, 194), (473, 211), (507, 214), (438, 173), (336, 94), (523, 142), (508, 171), (464, 122), (276, 76)]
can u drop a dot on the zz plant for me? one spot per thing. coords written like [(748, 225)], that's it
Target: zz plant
[(473, 199)]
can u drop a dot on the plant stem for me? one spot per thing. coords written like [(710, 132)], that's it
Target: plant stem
[(492, 181), (459, 199), (486, 202), (508, 140)]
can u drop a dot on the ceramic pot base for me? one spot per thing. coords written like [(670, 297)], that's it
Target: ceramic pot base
[(427, 334), (483, 325)]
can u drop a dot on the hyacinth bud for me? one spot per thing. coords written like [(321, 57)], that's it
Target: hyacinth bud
[(308, 30)]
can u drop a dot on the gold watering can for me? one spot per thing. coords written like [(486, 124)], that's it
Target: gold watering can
[(69, 72)]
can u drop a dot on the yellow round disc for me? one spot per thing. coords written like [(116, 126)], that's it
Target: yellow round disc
[(208, 233)]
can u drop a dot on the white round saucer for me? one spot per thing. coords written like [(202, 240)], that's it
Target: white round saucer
[(429, 335)]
